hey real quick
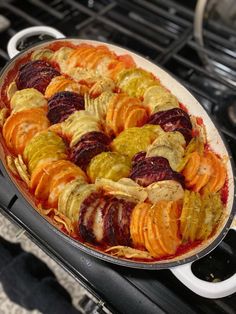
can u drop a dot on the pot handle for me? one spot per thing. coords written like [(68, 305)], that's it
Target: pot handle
[(211, 290), (27, 32)]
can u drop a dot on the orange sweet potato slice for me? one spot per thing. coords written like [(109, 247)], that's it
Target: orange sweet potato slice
[(204, 174), (158, 225), (83, 54), (78, 53), (117, 121), (147, 243), (151, 237), (134, 226), (109, 117), (103, 48), (192, 166), (92, 64), (142, 223), (191, 183), (222, 178), (215, 171), (59, 181), (137, 224), (58, 85), (37, 173), (167, 225), (39, 170), (201, 182), (89, 56), (128, 104), (22, 138), (115, 68), (137, 117), (43, 187), (64, 174), (20, 123), (218, 175), (127, 60)]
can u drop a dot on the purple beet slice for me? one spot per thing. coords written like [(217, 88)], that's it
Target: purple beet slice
[(96, 136), (174, 119), (35, 74), (87, 212), (62, 105), (154, 169), (165, 116), (160, 175), (82, 153), (155, 161), (90, 145), (115, 222), (138, 157)]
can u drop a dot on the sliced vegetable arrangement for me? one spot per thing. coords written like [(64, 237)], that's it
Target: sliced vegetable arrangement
[(110, 155)]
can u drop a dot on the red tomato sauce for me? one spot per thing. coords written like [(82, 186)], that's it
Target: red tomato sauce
[(225, 192), (183, 107), (182, 249)]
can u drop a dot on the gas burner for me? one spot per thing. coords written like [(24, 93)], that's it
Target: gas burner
[(225, 112), (232, 113), (213, 267)]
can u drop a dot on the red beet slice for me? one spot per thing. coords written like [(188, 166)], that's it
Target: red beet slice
[(62, 105), (115, 214), (96, 136), (117, 222), (154, 169), (146, 179), (156, 161), (90, 145), (110, 221), (123, 222), (35, 74), (138, 157), (86, 217), (174, 119), (82, 153), (165, 116)]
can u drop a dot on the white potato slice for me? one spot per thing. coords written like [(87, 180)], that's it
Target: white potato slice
[(167, 190), (12, 88), (27, 98), (79, 123), (124, 187), (158, 98), (102, 85), (128, 252), (40, 54), (61, 57), (3, 116)]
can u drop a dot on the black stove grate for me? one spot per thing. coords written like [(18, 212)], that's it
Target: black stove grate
[(162, 31)]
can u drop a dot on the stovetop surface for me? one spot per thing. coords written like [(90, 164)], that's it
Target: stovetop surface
[(162, 31)]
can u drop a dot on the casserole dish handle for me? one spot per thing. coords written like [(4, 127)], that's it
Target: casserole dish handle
[(211, 290), (28, 32)]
